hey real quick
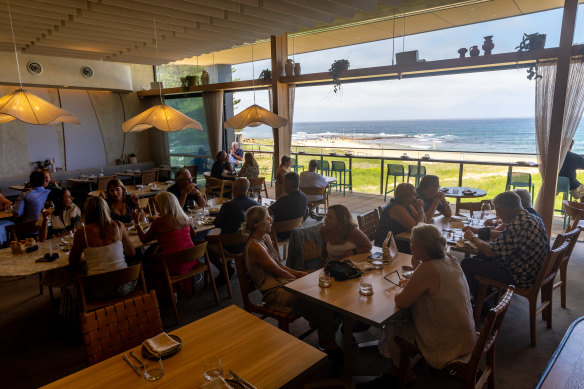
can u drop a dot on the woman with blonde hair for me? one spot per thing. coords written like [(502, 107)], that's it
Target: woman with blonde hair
[(250, 170), (340, 235), (120, 202)]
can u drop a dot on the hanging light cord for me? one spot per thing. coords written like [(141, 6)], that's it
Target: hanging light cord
[(156, 45), (253, 74), (14, 43), (393, 40)]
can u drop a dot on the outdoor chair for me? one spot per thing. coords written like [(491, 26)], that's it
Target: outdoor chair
[(163, 262), (294, 166), (117, 328), (572, 237), (149, 176), (575, 212), (219, 244), (520, 180), (544, 283), (317, 191), (472, 207), (395, 171), (340, 171), (102, 182), (368, 223), (484, 347), (323, 166), (193, 170), (417, 172), (216, 186), (259, 182), (110, 279), (284, 226), (563, 187)]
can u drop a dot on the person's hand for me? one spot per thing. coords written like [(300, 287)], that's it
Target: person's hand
[(501, 227), (190, 189), (136, 216), (419, 204), (102, 195), (134, 198), (46, 213), (300, 274), (468, 234), (441, 196), (471, 229), (493, 222)]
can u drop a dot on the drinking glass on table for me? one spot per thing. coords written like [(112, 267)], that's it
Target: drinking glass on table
[(212, 367), (191, 205), (366, 286), (324, 279), (485, 210), (153, 368)]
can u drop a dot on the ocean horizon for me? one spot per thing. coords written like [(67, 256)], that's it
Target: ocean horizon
[(502, 135)]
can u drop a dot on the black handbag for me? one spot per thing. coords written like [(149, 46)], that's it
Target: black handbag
[(342, 270)]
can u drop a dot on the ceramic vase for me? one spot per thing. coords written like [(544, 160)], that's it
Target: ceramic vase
[(205, 78), (474, 51), (289, 67), (488, 45), (297, 69), (462, 52)]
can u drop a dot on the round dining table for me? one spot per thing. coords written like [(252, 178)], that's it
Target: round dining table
[(462, 192)]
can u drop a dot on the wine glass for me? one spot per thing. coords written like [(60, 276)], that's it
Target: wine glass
[(485, 210), (212, 368), (190, 206)]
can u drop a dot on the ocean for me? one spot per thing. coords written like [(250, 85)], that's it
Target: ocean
[(489, 135)]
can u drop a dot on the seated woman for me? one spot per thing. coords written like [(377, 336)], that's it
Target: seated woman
[(101, 245), (221, 165), (441, 324), (282, 170), (402, 213), (65, 216), (434, 200), (250, 169), (121, 204), (340, 235), (269, 275)]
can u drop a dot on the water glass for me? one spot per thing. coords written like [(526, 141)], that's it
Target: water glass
[(366, 286), (153, 368), (212, 368), (324, 280), (485, 210)]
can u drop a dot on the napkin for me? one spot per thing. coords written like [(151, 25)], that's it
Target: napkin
[(217, 383), (363, 266), (456, 224), (160, 344)]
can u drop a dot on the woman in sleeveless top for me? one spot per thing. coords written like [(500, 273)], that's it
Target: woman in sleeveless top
[(101, 245), (340, 235), (402, 213), (437, 295), (250, 169), (121, 203), (269, 275)]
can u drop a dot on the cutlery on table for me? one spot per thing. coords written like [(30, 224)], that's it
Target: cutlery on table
[(134, 367), (241, 380), (140, 363)]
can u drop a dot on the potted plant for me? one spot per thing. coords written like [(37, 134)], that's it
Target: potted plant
[(337, 67), (531, 42), (132, 158), (266, 75)]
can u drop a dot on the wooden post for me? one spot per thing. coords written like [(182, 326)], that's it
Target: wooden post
[(557, 120), (280, 97)]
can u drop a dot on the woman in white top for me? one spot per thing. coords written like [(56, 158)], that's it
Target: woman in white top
[(441, 324), (64, 217), (340, 235), (101, 244)]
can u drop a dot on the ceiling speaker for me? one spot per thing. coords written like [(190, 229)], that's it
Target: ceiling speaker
[(34, 68), (86, 71)]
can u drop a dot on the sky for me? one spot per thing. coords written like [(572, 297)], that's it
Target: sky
[(493, 94)]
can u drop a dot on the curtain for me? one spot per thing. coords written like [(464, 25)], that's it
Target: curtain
[(283, 135), (544, 95), (213, 104)]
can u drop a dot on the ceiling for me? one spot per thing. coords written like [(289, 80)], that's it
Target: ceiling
[(123, 30)]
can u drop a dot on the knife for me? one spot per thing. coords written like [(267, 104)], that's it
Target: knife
[(136, 368), (241, 380), (140, 364)]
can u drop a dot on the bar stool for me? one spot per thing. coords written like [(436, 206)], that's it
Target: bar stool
[(417, 172), (340, 170), (563, 186), (395, 171), (295, 165), (521, 180), (323, 166)]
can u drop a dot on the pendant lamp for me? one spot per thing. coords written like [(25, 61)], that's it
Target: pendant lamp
[(161, 116), (27, 107), (255, 115)]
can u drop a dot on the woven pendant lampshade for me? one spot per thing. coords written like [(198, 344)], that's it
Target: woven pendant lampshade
[(162, 117), (32, 109), (255, 115)]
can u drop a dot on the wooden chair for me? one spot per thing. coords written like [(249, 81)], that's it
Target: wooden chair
[(572, 237), (114, 329), (216, 201), (368, 223), (166, 261), (149, 176), (193, 170), (575, 212), (215, 186), (221, 242), (257, 182), (108, 280), (102, 182), (543, 282), (317, 191), (472, 207), (284, 226), (247, 287)]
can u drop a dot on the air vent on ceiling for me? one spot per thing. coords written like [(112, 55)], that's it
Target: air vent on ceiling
[(86, 71), (34, 68)]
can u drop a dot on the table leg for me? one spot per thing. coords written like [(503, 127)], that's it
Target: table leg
[(348, 323)]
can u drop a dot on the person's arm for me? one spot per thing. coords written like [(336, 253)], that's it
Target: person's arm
[(19, 205), (484, 247), (44, 225), (400, 214), (424, 278), (259, 255), (4, 202), (429, 213), (79, 244), (129, 249), (361, 240), (446, 210), (145, 237)]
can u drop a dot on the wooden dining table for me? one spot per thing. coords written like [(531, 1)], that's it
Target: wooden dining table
[(139, 190), (255, 350), (462, 192), (343, 297), (5, 215)]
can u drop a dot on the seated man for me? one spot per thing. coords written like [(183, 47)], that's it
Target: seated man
[(312, 179), (230, 218), (572, 162), (517, 253), (185, 190), (236, 154), (30, 203), (291, 205)]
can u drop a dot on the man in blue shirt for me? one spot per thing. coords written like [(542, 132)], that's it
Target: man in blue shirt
[(30, 203), (236, 154), (290, 206)]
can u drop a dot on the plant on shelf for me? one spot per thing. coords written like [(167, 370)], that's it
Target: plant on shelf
[(337, 67), (266, 75), (531, 42)]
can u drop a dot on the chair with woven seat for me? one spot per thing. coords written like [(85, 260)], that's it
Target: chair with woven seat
[(257, 183), (472, 207), (572, 237), (417, 172), (221, 243), (544, 283), (283, 227), (116, 328), (323, 167), (395, 171), (520, 180), (317, 191), (102, 182), (216, 186), (164, 262), (575, 212), (368, 223), (149, 176), (340, 171), (484, 347)]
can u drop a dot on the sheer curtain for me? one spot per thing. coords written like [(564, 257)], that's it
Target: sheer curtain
[(284, 135), (213, 104), (544, 95)]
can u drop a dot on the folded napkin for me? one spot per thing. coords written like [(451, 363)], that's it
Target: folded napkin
[(160, 344), (456, 224), (363, 266), (216, 383)]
